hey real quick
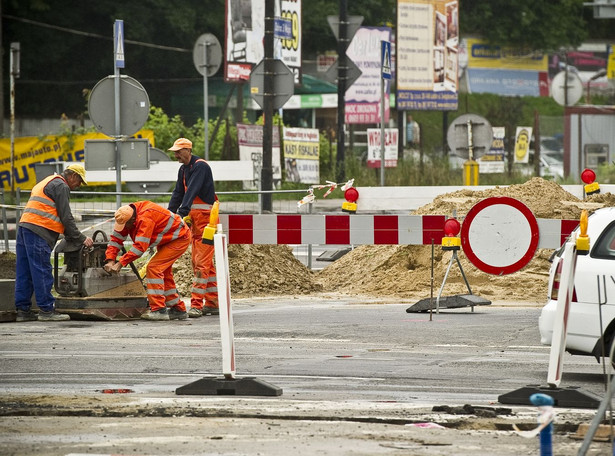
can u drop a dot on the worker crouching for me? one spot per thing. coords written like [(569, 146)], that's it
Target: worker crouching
[(151, 225)]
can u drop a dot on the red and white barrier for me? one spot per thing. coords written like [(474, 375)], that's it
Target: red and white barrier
[(361, 229)]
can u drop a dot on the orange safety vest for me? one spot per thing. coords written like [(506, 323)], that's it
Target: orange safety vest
[(41, 210), (198, 204)]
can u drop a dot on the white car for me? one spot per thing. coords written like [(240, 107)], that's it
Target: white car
[(592, 311)]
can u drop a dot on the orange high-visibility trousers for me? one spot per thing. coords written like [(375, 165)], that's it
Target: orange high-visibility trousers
[(161, 289), (204, 286)]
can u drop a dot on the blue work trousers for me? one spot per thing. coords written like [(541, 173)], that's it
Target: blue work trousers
[(33, 271)]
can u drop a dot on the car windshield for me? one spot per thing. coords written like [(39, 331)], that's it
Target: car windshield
[(554, 159)]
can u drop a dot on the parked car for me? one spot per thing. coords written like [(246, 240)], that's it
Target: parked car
[(552, 166), (591, 316)]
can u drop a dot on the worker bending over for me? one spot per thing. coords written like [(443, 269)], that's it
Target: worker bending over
[(193, 198), (151, 225)]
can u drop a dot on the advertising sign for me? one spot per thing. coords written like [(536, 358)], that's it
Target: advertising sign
[(522, 144), (301, 155), (427, 54), (506, 71), (363, 97), (493, 161), (30, 150), (245, 34), (250, 140), (391, 139), (610, 64)]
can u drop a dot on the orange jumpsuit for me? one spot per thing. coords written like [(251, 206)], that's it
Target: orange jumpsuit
[(189, 198), (157, 227)]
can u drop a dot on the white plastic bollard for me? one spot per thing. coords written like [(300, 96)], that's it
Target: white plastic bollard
[(224, 303), (560, 324)]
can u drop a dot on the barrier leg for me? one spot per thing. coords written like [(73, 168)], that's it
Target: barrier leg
[(228, 385)]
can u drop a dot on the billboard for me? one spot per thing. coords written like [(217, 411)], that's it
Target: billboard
[(30, 150), (363, 97), (374, 147), (245, 34), (505, 71), (250, 140), (301, 155), (427, 54)]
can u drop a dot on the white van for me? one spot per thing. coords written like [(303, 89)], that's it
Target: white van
[(591, 319)]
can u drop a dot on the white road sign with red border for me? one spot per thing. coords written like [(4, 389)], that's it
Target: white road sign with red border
[(499, 235)]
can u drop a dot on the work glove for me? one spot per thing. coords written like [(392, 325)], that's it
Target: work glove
[(187, 220)]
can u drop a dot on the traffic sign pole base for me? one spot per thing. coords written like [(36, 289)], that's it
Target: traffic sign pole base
[(449, 302), (211, 386), (571, 397)]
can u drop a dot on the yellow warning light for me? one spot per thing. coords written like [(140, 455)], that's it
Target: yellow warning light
[(583, 240), (210, 229)]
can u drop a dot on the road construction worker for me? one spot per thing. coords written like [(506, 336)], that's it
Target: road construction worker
[(150, 225), (192, 199), (46, 215)]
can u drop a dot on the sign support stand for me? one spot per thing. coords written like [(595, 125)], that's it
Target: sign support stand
[(229, 385), (118, 41), (385, 73), (563, 397)]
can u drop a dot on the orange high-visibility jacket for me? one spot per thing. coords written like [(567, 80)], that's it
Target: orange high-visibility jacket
[(41, 210), (154, 226)]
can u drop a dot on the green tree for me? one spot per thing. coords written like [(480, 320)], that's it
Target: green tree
[(525, 24)]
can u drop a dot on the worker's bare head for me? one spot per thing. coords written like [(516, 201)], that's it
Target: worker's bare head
[(183, 150)]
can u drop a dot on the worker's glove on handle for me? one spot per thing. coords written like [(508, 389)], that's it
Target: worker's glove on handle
[(187, 220)]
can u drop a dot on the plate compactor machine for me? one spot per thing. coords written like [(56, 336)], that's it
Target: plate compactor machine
[(87, 292)]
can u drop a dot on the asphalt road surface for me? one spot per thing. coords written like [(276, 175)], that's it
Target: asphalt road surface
[(359, 377)]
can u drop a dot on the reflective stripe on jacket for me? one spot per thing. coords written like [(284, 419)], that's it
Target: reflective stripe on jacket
[(41, 210), (154, 226)]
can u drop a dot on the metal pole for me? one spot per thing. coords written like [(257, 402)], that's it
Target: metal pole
[(14, 64), (267, 168), (5, 224), (342, 59), (382, 139), (205, 103), (118, 160)]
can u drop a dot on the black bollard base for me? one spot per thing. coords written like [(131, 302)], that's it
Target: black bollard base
[(212, 386), (564, 397)]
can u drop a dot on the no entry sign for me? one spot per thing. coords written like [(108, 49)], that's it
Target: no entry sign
[(499, 235)]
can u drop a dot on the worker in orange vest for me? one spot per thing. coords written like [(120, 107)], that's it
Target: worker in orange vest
[(193, 198), (151, 225), (46, 216)]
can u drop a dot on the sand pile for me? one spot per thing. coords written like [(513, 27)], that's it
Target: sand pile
[(405, 271)]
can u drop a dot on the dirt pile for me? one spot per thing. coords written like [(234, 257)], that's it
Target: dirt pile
[(256, 270), (405, 271), (8, 268)]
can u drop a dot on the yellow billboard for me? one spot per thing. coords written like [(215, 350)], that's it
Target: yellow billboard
[(30, 150), (483, 55)]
